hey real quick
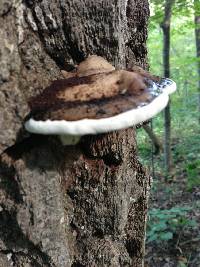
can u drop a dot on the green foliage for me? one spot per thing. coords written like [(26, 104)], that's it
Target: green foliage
[(163, 225), (184, 104), (182, 264), (167, 225), (193, 174), (182, 9), (197, 7)]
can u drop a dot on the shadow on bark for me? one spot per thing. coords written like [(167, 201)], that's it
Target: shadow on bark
[(17, 242)]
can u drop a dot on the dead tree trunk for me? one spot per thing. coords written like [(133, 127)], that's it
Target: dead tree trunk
[(81, 205), (197, 37), (166, 64)]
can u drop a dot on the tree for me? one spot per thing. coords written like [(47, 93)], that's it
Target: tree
[(197, 36), (155, 140), (79, 205), (165, 25)]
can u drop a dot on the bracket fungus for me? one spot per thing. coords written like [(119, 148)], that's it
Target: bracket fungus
[(95, 99)]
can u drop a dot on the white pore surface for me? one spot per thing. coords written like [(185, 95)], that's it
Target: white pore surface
[(96, 126), (171, 88)]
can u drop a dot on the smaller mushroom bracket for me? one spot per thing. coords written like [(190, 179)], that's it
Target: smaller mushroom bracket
[(98, 99)]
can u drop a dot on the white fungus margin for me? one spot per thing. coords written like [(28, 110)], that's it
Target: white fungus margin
[(71, 131)]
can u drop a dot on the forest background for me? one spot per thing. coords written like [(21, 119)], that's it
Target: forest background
[(173, 230)]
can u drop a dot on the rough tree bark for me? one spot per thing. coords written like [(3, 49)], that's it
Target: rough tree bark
[(165, 25), (197, 37), (81, 205)]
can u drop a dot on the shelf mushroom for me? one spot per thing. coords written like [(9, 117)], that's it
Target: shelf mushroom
[(96, 99)]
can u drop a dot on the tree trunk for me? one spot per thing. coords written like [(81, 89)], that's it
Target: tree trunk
[(82, 205), (166, 65), (197, 36), (155, 140)]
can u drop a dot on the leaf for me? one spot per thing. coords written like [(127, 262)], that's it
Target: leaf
[(153, 238), (166, 236), (160, 226), (181, 264)]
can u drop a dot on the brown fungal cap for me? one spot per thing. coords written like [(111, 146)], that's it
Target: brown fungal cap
[(93, 65), (145, 74), (97, 98)]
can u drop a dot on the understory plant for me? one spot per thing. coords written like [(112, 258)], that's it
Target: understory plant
[(165, 224)]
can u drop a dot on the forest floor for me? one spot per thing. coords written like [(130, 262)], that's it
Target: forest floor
[(173, 229)]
